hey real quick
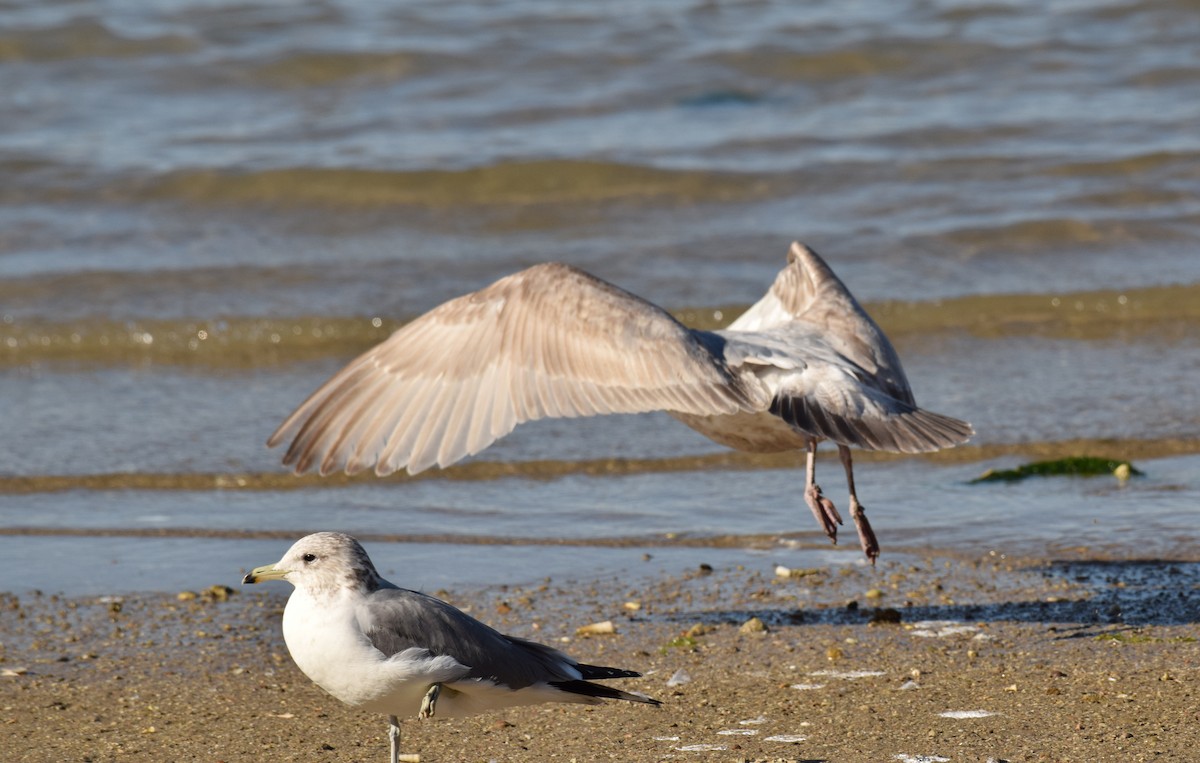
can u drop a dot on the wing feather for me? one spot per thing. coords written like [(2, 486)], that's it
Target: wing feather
[(395, 619), (550, 341), (873, 422), (807, 291), (832, 371)]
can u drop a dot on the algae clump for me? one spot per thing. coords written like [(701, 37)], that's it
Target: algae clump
[(1074, 466)]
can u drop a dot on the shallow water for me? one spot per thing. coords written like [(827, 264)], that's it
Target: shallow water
[(207, 208)]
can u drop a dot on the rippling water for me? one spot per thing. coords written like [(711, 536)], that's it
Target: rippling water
[(207, 207)]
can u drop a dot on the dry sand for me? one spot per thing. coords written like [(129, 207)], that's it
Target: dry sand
[(1077, 660)]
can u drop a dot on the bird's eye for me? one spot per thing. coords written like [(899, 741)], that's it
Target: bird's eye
[(309, 558)]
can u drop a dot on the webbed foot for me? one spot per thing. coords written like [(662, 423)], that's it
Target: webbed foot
[(823, 509), (866, 536)]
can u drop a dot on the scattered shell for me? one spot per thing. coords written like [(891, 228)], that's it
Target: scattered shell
[(13, 672), (789, 572), (958, 714), (217, 593), (753, 721), (605, 628), (186, 595), (905, 758), (679, 678), (702, 748), (632, 606), (665, 739), (941, 628), (788, 738), (738, 732), (808, 687), (847, 675)]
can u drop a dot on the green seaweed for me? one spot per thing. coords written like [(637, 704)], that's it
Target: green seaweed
[(1073, 466), (679, 642)]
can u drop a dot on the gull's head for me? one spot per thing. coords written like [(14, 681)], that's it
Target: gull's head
[(321, 562)]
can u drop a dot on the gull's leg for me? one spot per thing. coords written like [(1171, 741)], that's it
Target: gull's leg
[(822, 508), (394, 746), (394, 738), (866, 536), (429, 702)]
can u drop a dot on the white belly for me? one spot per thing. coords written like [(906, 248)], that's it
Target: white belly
[(339, 658)]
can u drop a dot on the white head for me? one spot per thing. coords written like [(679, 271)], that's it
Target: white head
[(322, 562)]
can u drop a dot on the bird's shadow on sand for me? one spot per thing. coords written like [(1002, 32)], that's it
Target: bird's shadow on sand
[(1104, 596)]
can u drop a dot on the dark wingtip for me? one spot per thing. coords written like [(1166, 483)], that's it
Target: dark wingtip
[(600, 691)]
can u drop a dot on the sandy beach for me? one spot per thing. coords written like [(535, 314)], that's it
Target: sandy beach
[(921, 659)]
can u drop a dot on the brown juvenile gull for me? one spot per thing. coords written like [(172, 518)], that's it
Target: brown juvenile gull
[(389, 650), (803, 364)]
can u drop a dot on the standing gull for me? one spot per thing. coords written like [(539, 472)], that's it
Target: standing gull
[(389, 650), (803, 364)]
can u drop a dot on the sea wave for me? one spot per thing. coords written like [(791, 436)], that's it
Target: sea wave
[(507, 183), (550, 181), (86, 38), (891, 58), (1166, 312), (548, 469)]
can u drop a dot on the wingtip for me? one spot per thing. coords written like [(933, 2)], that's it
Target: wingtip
[(799, 251), (647, 699)]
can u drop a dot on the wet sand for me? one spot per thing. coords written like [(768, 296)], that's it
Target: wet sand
[(1072, 660)]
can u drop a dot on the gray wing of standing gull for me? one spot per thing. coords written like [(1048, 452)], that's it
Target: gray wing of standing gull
[(550, 341), (849, 385), (395, 619)]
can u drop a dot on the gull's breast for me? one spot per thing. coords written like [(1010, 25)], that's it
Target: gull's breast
[(328, 646)]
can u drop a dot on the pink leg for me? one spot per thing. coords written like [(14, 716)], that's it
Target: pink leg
[(866, 536), (822, 508)]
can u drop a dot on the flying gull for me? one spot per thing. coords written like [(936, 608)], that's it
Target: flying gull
[(389, 650), (803, 364)]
